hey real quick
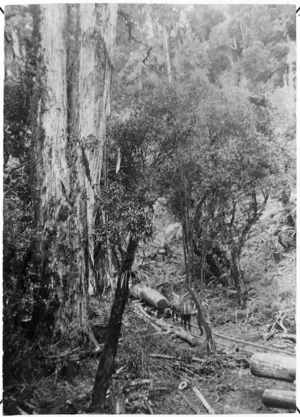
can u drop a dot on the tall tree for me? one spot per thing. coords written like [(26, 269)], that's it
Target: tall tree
[(69, 134), (91, 98), (53, 211)]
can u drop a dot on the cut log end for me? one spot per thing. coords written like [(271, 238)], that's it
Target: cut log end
[(279, 399), (150, 296)]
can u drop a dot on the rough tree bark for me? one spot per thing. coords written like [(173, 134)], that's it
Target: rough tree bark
[(107, 14), (95, 43), (88, 105), (68, 142), (271, 365), (15, 49), (62, 282), (106, 364)]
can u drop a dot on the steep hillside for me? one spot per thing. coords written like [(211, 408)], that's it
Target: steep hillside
[(269, 257), (268, 261)]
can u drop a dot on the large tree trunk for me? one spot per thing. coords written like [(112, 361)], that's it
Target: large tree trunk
[(15, 48), (69, 142), (107, 16), (96, 39), (62, 280), (88, 105)]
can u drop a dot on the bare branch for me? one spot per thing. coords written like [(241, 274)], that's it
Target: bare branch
[(234, 47), (129, 24)]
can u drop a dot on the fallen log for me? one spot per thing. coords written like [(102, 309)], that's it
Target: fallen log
[(167, 327), (154, 298), (242, 342), (135, 290), (273, 366), (279, 399), (186, 336), (158, 329), (190, 403), (288, 336), (156, 355), (198, 360), (147, 406), (160, 387), (142, 313), (203, 400), (150, 296), (139, 382)]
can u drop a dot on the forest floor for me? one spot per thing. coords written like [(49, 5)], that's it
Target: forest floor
[(223, 378), (150, 384)]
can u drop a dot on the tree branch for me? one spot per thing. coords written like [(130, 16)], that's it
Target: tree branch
[(129, 24), (147, 55)]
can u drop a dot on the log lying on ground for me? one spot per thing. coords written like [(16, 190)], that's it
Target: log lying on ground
[(154, 298), (255, 345), (273, 366), (142, 313), (190, 403), (203, 400), (135, 290), (154, 355), (186, 336), (165, 326), (289, 336), (150, 296), (279, 398), (147, 406)]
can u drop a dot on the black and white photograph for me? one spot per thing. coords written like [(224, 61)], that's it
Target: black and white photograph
[(149, 202)]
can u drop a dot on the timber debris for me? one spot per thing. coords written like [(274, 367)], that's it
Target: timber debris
[(273, 366), (279, 399)]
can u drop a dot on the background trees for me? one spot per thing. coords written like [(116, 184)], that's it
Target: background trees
[(248, 51), (214, 167)]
